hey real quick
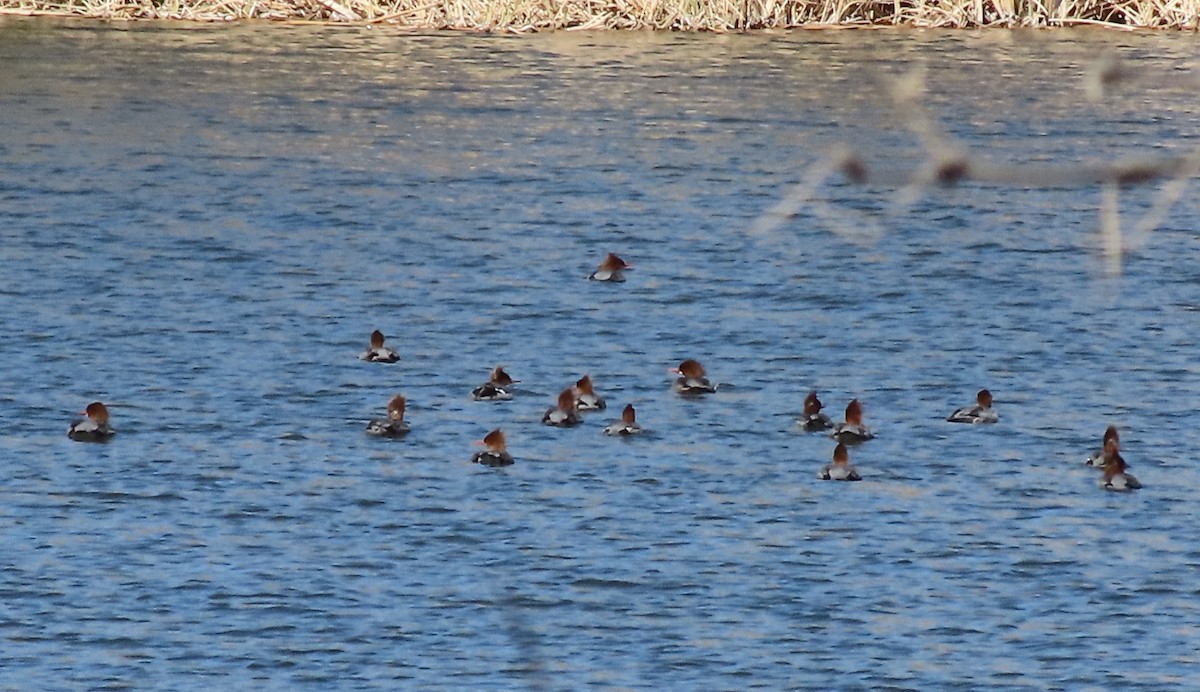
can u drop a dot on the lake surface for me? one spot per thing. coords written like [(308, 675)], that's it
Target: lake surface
[(201, 225)]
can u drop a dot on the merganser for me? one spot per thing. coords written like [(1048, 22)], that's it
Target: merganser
[(378, 353), (813, 420), (1114, 467), (691, 379), (610, 269), (840, 469), (496, 453), (565, 414), (586, 398), (394, 425), (93, 428), (627, 425), (852, 431), (496, 388), (981, 412), (1098, 457)]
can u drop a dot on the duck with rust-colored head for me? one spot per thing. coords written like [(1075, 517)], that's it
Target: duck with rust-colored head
[(94, 427), (981, 412), (852, 431), (1098, 457), (691, 380), (627, 425), (394, 425), (812, 419), (586, 398), (377, 352), (840, 469), (565, 414), (611, 269), (496, 453), (497, 388), (1115, 475)]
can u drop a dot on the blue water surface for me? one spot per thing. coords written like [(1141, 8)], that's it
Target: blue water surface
[(202, 225)]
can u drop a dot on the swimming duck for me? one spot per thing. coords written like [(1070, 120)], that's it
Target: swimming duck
[(496, 388), (611, 269), (840, 469), (496, 453), (1115, 477), (813, 420), (627, 425), (691, 379), (394, 425), (586, 398), (93, 428), (565, 414), (981, 412), (378, 353), (1098, 457), (852, 431)]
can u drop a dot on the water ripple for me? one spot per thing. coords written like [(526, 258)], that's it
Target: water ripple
[(202, 226)]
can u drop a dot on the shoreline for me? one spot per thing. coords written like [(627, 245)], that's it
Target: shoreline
[(719, 16)]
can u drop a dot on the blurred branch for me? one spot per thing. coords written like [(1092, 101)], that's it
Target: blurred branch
[(948, 162), (950, 171)]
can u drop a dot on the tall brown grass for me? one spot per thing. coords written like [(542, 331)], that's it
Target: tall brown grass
[(674, 15)]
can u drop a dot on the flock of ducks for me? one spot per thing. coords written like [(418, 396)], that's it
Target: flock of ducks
[(692, 382), (852, 432)]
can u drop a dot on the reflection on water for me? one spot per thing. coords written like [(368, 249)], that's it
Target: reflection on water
[(202, 226)]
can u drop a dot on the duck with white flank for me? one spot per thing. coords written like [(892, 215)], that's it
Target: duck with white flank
[(1099, 456), (852, 431), (840, 469), (611, 269), (378, 353), (392, 426), (496, 453), (813, 420), (565, 414), (497, 388), (627, 425), (586, 398), (981, 412), (1115, 477), (93, 428), (691, 379)]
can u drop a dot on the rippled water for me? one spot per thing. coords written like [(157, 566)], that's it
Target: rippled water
[(202, 225)]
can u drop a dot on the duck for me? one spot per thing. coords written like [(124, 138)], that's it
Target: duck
[(813, 420), (852, 431), (564, 414), (691, 379), (496, 453), (840, 469), (497, 388), (378, 353), (394, 425), (1097, 457), (981, 412), (586, 398), (611, 269), (1115, 477), (627, 425), (93, 428)]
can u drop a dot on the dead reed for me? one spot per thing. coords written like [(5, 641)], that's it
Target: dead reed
[(672, 15)]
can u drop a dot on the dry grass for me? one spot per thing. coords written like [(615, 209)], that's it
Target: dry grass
[(673, 15)]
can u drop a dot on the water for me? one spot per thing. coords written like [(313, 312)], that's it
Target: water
[(202, 225)]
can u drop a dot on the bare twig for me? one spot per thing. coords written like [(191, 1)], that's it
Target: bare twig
[(948, 162)]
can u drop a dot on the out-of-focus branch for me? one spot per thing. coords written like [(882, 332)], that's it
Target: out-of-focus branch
[(948, 162), (948, 172)]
